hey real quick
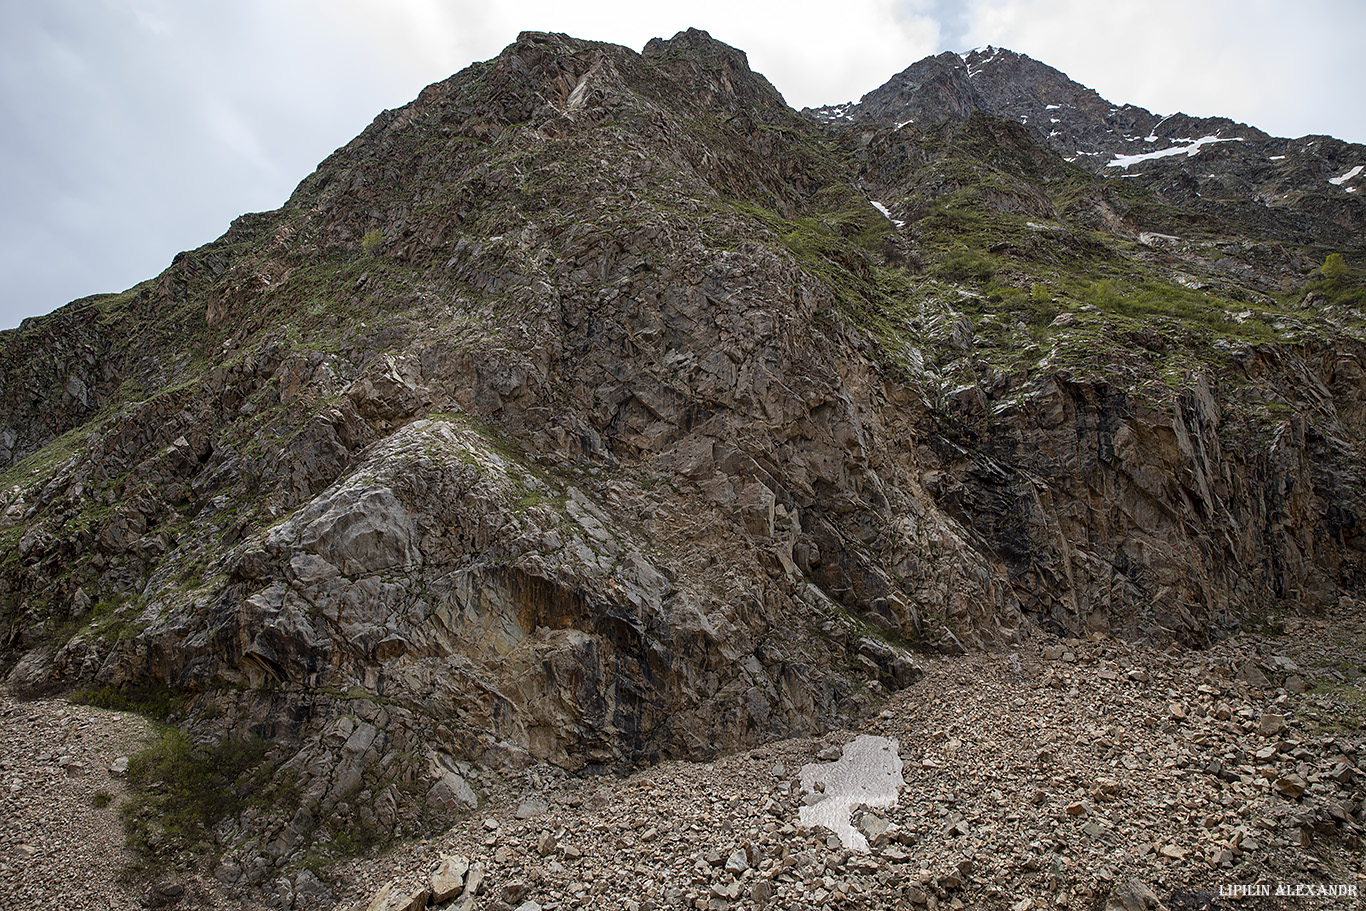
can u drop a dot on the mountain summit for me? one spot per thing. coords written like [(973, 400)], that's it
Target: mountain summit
[(596, 409), (1293, 188)]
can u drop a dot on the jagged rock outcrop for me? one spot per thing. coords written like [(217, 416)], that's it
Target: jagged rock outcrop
[(597, 408)]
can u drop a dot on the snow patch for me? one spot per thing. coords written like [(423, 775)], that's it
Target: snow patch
[(1191, 148), (887, 215), (995, 52), (1278, 158), (1152, 136), (867, 774), (1052, 107), (1339, 181)]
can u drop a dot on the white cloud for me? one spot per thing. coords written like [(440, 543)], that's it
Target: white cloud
[(812, 54)]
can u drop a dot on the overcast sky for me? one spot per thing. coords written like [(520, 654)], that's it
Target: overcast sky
[(133, 129)]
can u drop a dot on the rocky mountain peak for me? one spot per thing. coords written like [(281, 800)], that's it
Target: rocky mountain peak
[(1205, 163)]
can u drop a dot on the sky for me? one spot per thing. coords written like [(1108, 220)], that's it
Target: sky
[(133, 129)]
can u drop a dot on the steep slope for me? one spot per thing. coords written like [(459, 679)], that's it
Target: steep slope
[(597, 408), (515, 432)]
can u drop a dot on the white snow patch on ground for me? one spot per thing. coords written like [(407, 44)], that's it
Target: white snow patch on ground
[(1152, 137), (888, 215), (1192, 147), (1052, 107), (868, 775), (904, 123), (1339, 181), (1278, 158)]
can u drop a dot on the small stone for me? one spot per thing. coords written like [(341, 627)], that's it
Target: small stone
[(1295, 684), (1177, 711), (761, 893), (1271, 724), (119, 767), (449, 877), (873, 826), (531, 807), (390, 899), (1291, 786), (1251, 674), (729, 891), (1133, 896)]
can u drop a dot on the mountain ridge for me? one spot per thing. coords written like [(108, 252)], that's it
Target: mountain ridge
[(1302, 176)]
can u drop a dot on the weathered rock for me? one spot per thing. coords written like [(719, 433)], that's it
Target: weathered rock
[(531, 807), (1134, 896), (394, 898), (1271, 724), (1290, 786), (451, 792), (448, 880)]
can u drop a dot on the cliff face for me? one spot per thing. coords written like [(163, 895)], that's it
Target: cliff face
[(598, 408)]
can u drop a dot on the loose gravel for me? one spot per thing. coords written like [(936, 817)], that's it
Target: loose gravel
[(1067, 774)]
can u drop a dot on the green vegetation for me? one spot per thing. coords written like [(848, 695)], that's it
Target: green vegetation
[(371, 240), (1334, 267), (1339, 286), (180, 790), (152, 700)]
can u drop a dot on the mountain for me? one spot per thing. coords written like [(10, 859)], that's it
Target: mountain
[(597, 409), (1290, 189)]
